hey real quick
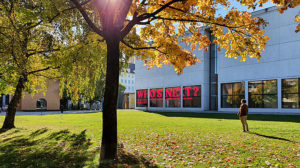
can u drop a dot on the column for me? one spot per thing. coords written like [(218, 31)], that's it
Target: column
[(279, 97), (246, 92), (181, 96)]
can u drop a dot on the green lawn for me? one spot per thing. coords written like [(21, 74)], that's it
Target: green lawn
[(153, 139)]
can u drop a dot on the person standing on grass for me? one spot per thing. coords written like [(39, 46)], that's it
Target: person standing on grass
[(243, 113)]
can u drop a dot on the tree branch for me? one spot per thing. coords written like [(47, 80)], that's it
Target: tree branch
[(137, 48), (193, 20), (142, 48), (87, 19), (137, 20), (41, 52), (51, 19), (41, 70)]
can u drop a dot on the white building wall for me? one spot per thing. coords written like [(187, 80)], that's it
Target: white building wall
[(128, 79), (280, 60)]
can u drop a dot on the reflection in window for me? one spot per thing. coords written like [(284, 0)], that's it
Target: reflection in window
[(173, 97), (291, 93), (142, 98), (231, 94), (41, 104), (263, 94), (156, 97), (191, 96)]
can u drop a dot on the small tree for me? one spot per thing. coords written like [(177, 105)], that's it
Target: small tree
[(41, 41), (165, 24)]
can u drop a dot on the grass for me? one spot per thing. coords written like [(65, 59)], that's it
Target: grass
[(153, 140)]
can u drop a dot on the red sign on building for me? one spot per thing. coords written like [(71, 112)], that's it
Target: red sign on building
[(142, 98)]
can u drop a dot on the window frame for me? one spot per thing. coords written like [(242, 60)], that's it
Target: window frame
[(162, 105), (232, 95), (200, 96), (165, 97), (263, 94), (282, 93), (147, 98)]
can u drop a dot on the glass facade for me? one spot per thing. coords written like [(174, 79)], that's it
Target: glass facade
[(156, 97), (192, 96), (263, 94), (142, 98), (172, 97), (290, 93), (231, 94)]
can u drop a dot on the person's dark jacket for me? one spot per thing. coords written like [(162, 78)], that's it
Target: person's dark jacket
[(243, 110)]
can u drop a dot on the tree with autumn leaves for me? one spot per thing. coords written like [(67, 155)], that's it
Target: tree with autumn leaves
[(164, 24)]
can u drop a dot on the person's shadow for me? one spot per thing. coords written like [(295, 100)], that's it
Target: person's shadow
[(272, 137)]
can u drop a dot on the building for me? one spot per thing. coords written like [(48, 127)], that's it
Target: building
[(48, 101), (127, 78), (271, 85)]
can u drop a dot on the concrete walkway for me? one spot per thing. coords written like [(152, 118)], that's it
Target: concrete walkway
[(21, 113)]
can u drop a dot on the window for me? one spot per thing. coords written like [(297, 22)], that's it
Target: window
[(125, 81), (121, 80), (191, 96), (291, 93), (173, 97), (231, 94), (263, 94), (41, 104), (156, 97), (142, 98)]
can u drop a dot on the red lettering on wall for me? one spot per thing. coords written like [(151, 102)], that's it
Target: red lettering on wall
[(172, 92), (152, 93), (140, 94), (187, 91), (159, 93), (176, 92), (168, 92), (196, 89)]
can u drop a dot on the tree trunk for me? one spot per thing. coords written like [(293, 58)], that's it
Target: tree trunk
[(9, 121), (109, 129)]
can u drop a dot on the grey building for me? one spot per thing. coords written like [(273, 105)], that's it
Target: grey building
[(271, 85)]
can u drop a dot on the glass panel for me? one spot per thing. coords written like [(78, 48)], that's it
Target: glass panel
[(270, 101), (290, 86), (238, 89), (236, 101), (172, 97), (290, 101), (142, 98), (226, 102), (192, 96), (255, 87), (255, 101), (156, 97), (226, 89), (270, 87)]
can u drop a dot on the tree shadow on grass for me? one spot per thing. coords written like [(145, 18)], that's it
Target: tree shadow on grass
[(127, 159), (11, 132), (272, 137), (259, 117), (37, 149)]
